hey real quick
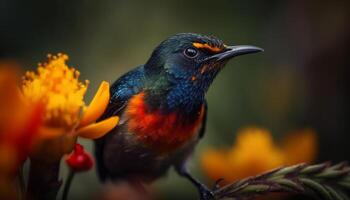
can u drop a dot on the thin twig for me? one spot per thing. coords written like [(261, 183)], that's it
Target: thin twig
[(68, 184)]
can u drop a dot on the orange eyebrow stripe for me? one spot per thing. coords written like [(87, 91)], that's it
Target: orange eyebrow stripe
[(206, 46)]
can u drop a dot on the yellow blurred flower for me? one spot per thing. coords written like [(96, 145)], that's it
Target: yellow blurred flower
[(255, 152), (58, 88), (300, 146)]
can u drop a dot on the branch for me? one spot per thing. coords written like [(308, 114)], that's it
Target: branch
[(323, 181)]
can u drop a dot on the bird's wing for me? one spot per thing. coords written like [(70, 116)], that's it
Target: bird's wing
[(121, 91), (181, 159), (204, 123)]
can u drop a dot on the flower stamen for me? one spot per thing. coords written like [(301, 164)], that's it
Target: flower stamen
[(58, 87)]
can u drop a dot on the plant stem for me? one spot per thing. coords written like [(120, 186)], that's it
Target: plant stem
[(43, 183), (68, 184)]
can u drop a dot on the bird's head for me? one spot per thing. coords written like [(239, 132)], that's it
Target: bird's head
[(187, 63)]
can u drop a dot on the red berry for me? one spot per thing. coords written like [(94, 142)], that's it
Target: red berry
[(79, 160)]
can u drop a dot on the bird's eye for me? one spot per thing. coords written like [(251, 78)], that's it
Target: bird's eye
[(191, 52)]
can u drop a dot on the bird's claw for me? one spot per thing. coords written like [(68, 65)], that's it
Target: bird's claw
[(205, 193), (217, 184)]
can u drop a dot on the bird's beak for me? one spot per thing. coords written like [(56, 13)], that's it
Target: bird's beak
[(233, 51)]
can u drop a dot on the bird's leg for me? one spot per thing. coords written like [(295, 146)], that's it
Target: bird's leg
[(204, 192)]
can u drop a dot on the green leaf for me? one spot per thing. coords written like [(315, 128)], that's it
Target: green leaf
[(341, 193), (287, 170), (329, 173), (345, 184), (313, 168), (290, 184), (335, 195), (316, 187), (253, 189), (339, 166)]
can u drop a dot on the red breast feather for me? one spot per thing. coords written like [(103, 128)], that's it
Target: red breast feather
[(162, 132)]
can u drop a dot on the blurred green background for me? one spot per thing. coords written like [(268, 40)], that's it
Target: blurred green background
[(299, 81)]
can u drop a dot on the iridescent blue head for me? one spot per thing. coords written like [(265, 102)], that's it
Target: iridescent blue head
[(181, 69)]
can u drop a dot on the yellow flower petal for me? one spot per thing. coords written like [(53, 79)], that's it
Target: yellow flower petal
[(300, 146), (213, 164), (255, 152), (99, 129), (97, 105)]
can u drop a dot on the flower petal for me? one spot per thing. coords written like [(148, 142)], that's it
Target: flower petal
[(99, 129), (300, 146), (97, 105)]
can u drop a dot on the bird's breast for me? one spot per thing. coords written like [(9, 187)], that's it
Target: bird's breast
[(162, 132)]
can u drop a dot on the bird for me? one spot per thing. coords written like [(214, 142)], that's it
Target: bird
[(163, 110)]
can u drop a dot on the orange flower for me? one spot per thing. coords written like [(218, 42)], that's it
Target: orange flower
[(18, 129), (255, 152), (18, 123), (57, 87)]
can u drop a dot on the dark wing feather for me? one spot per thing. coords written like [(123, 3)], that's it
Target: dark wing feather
[(121, 91), (204, 123), (182, 157)]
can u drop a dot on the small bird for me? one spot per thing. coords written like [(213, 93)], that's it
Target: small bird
[(162, 109)]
